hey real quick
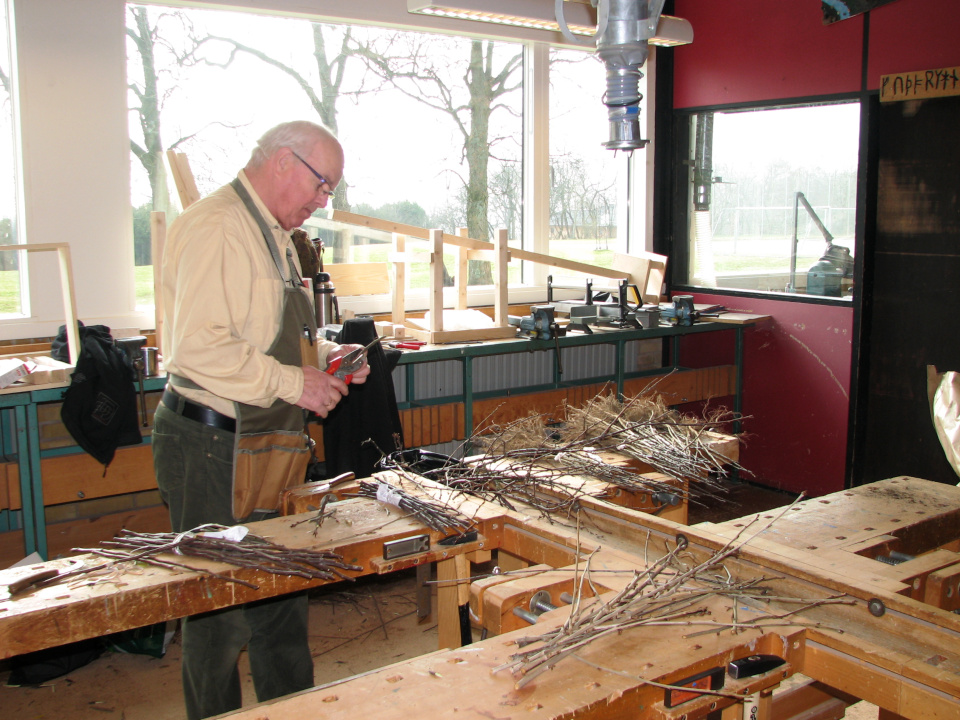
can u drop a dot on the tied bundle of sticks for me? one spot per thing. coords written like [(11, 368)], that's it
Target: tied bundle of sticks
[(250, 551), (530, 462), (434, 515), (667, 593), (642, 427)]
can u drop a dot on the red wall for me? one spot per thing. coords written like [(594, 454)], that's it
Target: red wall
[(798, 364), (909, 35), (745, 51), (796, 387)]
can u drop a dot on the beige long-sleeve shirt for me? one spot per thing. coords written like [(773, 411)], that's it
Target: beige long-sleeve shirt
[(222, 304)]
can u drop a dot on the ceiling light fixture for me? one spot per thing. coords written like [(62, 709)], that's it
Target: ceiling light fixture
[(580, 17)]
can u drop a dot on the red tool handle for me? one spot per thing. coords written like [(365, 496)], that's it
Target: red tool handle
[(333, 366)]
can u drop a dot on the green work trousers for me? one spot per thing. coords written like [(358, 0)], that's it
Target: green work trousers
[(194, 466)]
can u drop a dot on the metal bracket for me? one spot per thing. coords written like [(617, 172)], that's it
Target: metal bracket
[(406, 546)]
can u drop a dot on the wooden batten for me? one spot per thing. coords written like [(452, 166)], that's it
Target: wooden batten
[(183, 178), (358, 278)]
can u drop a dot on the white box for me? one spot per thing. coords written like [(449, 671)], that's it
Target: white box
[(11, 370)]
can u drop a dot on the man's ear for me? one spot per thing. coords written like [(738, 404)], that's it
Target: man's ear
[(282, 161)]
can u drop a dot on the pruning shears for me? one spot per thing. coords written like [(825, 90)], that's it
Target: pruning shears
[(345, 366)]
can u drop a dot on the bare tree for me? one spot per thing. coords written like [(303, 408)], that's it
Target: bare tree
[(330, 70), (408, 62), (145, 37)]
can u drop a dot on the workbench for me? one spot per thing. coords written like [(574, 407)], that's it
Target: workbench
[(884, 643), (467, 354), (22, 438)]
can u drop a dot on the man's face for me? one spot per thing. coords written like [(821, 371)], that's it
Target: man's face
[(308, 182)]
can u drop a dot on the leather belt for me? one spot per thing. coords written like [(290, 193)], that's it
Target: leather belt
[(194, 411)]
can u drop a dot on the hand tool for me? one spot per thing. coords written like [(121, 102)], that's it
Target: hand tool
[(345, 366), (407, 344)]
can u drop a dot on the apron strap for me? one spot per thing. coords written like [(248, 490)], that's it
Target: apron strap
[(244, 194)]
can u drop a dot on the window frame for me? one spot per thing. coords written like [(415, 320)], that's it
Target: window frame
[(681, 204), (636, 216)]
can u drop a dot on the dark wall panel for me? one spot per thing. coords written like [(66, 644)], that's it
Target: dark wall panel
[(916, 288)]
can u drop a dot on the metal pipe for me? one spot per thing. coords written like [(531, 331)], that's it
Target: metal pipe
[(525, 615), (622, 46)]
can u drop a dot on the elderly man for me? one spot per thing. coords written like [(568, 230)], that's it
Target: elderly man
[(242, 359)]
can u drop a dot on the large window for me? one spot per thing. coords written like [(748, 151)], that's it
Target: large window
[(10, 276), (773, 199), (432, 127), (588, 183)]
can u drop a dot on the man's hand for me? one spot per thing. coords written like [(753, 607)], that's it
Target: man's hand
[(359, 376), (321, 392)]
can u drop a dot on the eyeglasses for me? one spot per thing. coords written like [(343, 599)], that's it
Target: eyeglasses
[(321, 178)]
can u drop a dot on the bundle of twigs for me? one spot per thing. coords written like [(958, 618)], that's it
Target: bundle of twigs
[(433, 514), (644, 428), (251, 551), (665, 593)]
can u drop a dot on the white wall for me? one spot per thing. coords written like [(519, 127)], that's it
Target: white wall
[(71, 61)]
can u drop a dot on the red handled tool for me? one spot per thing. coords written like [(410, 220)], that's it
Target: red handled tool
[(345, 366), (407, 344)]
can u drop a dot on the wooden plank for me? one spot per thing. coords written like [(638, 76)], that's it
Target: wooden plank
[(351, 279), (463, 682), (158, 240), (500, 267), (436, 337), (811, 700), (399, 276), (448, 613), (66, 288), (942, 588), (647, 271), (183, 178), (463, 271), (517, 253), (68, 478), (920, 84), (59, 614), (436, 283)]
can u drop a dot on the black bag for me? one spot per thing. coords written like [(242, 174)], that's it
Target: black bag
[(365, 425), (100, 406)]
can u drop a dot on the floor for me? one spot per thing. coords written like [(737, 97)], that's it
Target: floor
[(360, 627)]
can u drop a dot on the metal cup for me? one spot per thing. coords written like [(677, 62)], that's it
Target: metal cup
[(150, 366)]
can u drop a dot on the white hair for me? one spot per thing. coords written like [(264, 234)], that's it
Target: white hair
[(299, 135)]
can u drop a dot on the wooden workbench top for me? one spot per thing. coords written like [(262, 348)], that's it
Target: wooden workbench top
[(134, 596)]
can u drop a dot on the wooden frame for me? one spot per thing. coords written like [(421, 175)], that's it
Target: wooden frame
[(66, 287), (646, 271)]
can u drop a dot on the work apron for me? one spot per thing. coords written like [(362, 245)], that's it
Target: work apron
[(271, 446)]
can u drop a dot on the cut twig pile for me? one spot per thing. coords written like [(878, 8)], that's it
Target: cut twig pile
[(531, 462), (433, 514), (667, 593), (251, 551)]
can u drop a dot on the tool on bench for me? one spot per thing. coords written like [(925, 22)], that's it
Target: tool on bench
[(407, 344), (540, 325), (599, 309), (682, 312), (345, 366)]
